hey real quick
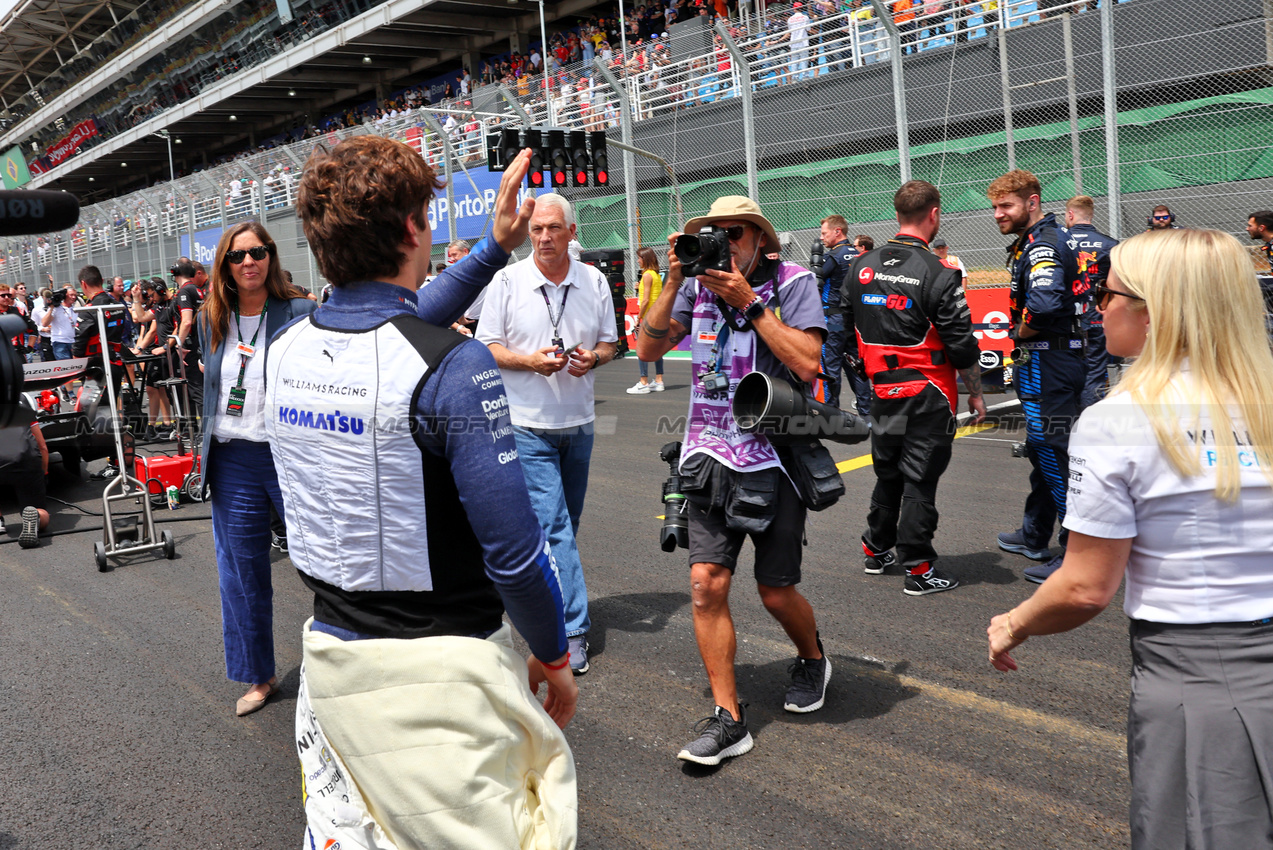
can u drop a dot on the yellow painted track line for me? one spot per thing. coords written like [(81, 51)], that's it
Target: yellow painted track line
[(865, 460)]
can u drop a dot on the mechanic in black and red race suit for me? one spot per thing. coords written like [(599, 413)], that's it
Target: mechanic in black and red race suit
[(1050, 369), (914, 332), (87, 342), (1090, 249)]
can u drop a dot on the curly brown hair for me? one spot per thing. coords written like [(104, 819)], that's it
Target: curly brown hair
[(223, 297), (1021, 183), (354, 202)]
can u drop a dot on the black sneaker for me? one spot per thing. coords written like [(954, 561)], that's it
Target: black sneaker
[(929, 582), (149, 436), (279, 543), (877, 564), (30, 537), (578, 654), (720, 737), (808, 683)]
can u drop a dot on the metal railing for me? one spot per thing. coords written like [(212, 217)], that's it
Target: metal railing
[(817, 131)]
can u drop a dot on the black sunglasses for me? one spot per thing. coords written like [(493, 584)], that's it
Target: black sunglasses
[(734, 231), (1101, 294), (256, 252)]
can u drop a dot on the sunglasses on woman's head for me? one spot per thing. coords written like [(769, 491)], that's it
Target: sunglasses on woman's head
[(1101, 294), (256, 252)]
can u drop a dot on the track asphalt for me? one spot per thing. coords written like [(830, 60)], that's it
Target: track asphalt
[(117, 724)]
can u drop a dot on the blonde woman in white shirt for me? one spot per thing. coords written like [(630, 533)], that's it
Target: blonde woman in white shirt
[(1171, 487)]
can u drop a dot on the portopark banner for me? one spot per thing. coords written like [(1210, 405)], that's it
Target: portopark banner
[(14, 167), (82, 132), (474, 198)]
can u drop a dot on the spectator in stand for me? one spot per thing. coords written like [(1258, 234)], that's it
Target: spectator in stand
[(904, 17), (1175, 495), (648, 290)]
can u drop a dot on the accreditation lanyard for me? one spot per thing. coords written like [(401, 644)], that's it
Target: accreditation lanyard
[(555, 321), (239, 393)]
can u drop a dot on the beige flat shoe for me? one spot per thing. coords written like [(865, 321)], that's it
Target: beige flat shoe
[(247, 706)]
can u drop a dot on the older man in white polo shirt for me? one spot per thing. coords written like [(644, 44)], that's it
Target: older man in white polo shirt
[(549, 321)]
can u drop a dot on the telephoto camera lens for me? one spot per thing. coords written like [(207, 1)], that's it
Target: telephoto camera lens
[(676, 526)]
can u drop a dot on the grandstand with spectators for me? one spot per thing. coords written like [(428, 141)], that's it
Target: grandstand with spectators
[(170, 120)]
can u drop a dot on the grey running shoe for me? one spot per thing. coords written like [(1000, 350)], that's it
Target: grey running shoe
[(30, 536), (1014, 541), (578, 654), (720, 737), (1039, 572), (808, 683), (929, 582)]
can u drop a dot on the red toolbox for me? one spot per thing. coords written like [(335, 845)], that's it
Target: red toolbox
[(160, 472)]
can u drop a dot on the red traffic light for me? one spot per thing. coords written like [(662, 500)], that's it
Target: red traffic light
[(559, 177), (536, 179)]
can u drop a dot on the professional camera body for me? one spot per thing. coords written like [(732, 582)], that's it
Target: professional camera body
[(59, 296), (676, 525), (707, 249)]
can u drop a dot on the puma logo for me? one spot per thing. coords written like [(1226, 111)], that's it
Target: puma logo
[(327, 354)]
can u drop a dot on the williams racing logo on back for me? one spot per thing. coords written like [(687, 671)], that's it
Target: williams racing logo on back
[(335, 421)]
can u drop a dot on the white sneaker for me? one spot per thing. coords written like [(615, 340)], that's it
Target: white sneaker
[(658, 386), (639, 389)]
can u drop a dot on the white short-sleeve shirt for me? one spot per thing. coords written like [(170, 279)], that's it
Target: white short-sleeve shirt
[(514, 315), (1194, 559)]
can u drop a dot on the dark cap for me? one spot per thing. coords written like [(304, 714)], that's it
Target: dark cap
[(937, 243)]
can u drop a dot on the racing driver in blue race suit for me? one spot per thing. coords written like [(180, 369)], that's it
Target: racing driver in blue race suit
[(1050, 370)]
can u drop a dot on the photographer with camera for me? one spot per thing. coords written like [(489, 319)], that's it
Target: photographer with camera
[(734, 482), (914, 329), (59, 319)]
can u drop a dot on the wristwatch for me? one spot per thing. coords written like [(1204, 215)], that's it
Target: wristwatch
[(755, 309)]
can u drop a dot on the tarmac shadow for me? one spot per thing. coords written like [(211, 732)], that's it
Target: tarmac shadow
[(984, 568), (857, 691), (643, 613)]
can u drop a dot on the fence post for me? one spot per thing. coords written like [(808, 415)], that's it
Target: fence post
[(1072, 95), (1112, 179), (446, 164), (1006, 85), (629, 164), (743, 73), (899, 89)]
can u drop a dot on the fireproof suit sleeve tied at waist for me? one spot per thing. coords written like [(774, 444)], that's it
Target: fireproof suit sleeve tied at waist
[(458, 405)]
